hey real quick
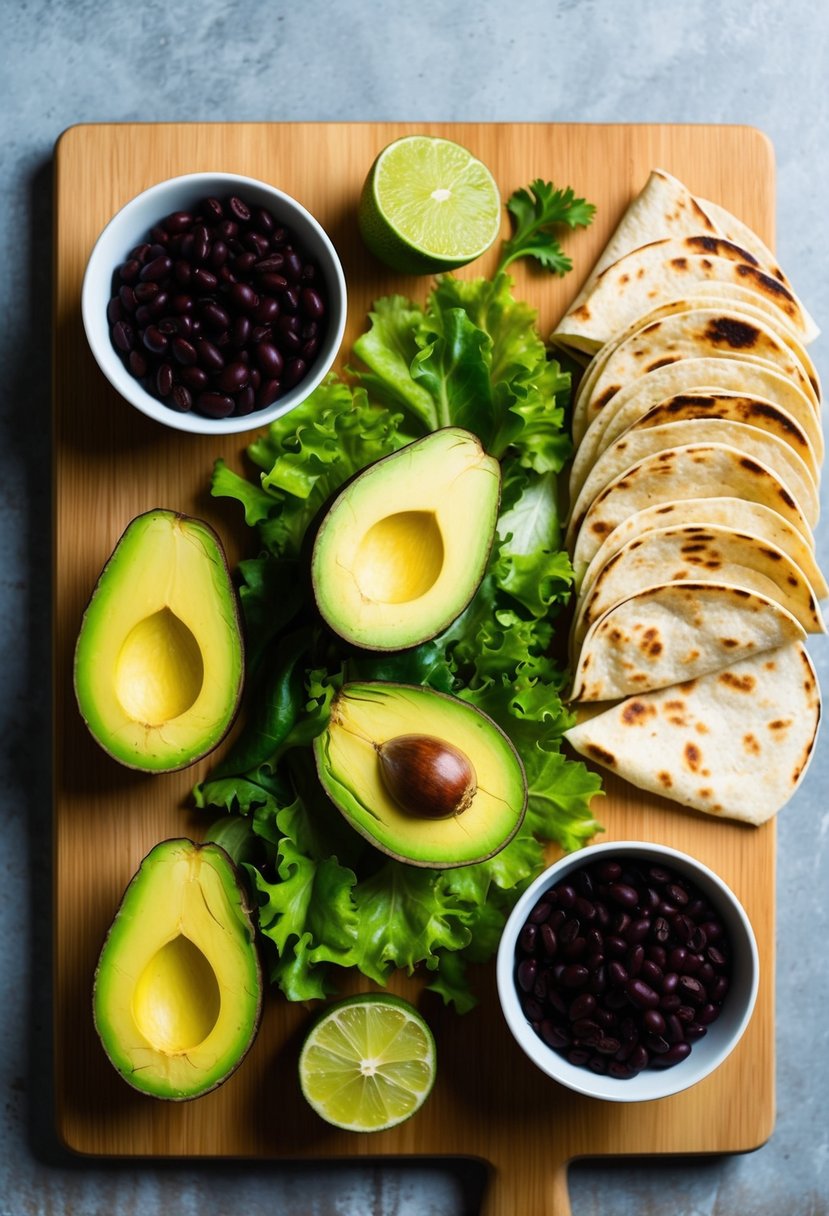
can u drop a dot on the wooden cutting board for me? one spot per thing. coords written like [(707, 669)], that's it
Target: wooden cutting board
[(112, 463)]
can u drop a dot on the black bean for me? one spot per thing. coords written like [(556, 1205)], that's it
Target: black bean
[(210, 357), (569, 930), (266, 311), (238, 209), (652, 974), (617, 975), (218, 254), (195, 378), (641, 994), (574, 975), (312, 305), (694, 1031), (234, 377), (659, 875), (273, 282), (566, 896), (263, 221), (638, 1058), (542, 909), (554, 1035), (621, 1071), (184, 351), (548, 940), (215, 405), (155, 341), (637, 931), (145, 293), (718, 989), (140, 252), (634, 959), (159, 234), (267, 393), (677, 894), (115, 311), (123, 336), (679, 1051), (204, 280), (623, 894), (168, 326), (272, 264), (127, 297), (655, 1044), (708, 1014), (182, 272), (716, 957), (674, 1031), (181, 399), (657, 954), (653, 1021), (669, 1002), (164, 379), (584, 1006), (138, 364), (527, 938), (157, 269), (578, 1056)]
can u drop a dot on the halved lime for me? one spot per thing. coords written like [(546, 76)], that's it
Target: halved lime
[(368, 1063), (428, 205)]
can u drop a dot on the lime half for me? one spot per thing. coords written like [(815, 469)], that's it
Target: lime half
[(428, 205), (368, 1063)]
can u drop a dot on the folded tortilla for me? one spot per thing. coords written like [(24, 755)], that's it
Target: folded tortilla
[(693, 471), (665, 210), (705, 554), (734, 743), (635, 444), (710, 295), (701, 333), (747, 517), (674, 632), (691, 376)]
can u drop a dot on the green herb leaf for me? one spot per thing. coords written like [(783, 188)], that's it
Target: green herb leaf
[(535, 211)]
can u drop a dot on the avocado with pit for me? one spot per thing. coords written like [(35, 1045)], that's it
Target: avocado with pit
[(404, 546), (178, 987), (426, 777), (159, 661)]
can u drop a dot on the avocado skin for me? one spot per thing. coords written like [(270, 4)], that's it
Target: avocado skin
[(136, 760), (245, 911)]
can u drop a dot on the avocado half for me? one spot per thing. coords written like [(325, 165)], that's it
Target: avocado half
[(404, 546), (159, 661), (366, 716), (178, 987)]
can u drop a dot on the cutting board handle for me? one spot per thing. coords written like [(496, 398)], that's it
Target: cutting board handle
[(513, 1191)]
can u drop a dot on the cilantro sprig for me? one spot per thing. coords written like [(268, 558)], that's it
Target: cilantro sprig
[(536, 211)]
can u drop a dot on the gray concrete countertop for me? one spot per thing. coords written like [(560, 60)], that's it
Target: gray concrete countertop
[(68, 61)]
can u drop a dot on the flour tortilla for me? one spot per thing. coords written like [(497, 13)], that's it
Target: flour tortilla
[(635, 444), (735, 743), (701, 333), (692, 471), (674, 632), (710, 295), (716, 405), (665, 207), (735, 407), (690, 376), (747, 517), (705, 554)]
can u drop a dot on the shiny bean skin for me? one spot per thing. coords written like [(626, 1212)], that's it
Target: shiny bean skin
[(215, 405)]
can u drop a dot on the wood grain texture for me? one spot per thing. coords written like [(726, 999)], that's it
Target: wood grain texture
[(112, 463)]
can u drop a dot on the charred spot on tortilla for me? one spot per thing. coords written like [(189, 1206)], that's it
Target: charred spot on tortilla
[(751, 745), (752, 466), (635, 713), (706, 795), (701, 728), (763, 280), (609, 393), (665, 779), (774, 554), (693, 756), (680, 263), (738, 683), (729, 643), (624, 278), (780, 724), (600, 527), (667, 510), (666, 362), (739, 335), (582, 312), (599, 753), (700, 215), (615, 635)]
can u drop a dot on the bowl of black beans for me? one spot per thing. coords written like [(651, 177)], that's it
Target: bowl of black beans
[(628, 971), (214, 303)]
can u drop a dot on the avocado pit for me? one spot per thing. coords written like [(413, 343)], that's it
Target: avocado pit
[(427, 777)]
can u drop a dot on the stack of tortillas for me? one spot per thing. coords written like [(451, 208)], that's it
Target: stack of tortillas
[(693, 496)]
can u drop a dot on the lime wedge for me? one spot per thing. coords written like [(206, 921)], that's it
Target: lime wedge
[(428, 205), (368, 1063)]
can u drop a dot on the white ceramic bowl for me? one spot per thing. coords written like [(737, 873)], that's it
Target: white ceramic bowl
[(707, 1053), (130, 226)]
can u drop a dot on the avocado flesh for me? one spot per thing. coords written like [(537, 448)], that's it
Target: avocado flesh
[(365, 715), (403, 548), (159, 659), (178, 986)]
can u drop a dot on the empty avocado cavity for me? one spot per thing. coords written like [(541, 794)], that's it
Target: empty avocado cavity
[(178, 987)]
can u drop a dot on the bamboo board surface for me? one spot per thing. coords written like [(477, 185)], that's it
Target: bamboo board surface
[(112, 463)]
